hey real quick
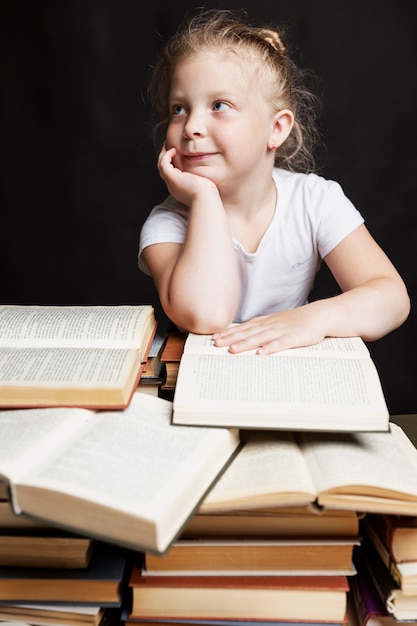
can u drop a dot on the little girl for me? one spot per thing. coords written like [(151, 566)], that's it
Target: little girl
[(247, 224)]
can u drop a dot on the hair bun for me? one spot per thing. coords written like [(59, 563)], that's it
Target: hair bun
[(273, 38)]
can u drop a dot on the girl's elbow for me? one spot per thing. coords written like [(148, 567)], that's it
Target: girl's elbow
[(404, 308), (201, 320)]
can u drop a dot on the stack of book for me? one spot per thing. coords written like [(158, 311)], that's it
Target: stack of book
[(86, 587), (365, 605), (171, 358), (240, 497), (50, 576), (153, 376), (389, 557), (128, 477), (283, 564), (384, 592), (280, 490)]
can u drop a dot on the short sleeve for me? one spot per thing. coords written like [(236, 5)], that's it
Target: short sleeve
[(166, 223)]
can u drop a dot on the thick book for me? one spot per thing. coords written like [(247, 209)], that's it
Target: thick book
[(171, 357), (88, 356), (303, 521), (367, 608), (102, 582), (403, 572), (236, 597), (363, 472), (398, 603), (9, 521), (398, 533), (45, 549), (330, 386), (128, 477), (67, 614), (154, 365), (150, 621), (250, 556)]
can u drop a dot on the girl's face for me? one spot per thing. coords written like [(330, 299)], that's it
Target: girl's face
[(220, 122)]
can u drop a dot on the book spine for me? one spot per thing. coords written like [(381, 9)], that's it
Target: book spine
[(383, 552)]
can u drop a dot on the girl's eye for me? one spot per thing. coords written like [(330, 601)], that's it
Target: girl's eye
[(178, 110), (220, 106)]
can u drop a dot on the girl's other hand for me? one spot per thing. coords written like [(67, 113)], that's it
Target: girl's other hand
[(268, 334)]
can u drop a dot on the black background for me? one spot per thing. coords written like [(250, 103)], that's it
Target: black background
[(78, 173)]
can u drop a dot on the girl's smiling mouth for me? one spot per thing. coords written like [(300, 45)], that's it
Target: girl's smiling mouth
[(199, 156)]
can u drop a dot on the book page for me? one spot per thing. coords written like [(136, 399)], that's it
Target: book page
[(378, 464), (87, 326), (57, 367), (128, 466), (331, 389), (340, 347), (27, 435), (270, 469)]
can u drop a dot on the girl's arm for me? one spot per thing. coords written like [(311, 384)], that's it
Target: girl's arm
[(197, 282), (373, 303)]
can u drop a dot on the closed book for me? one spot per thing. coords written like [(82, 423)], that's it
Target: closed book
[(400, 605), (67, 614), (218, 556), (404, 573), (10, 521), (99, 583), (48, 548), (238, 597), (148, 621), (398, 533), (171, 357), (367, 608), (281, 522)]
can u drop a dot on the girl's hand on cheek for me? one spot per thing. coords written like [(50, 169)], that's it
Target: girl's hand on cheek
[(184, 186)]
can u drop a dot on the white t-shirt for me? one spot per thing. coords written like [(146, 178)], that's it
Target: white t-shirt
[(312, 216)]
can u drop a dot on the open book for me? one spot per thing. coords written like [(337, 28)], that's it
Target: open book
[(127, 477), (331, 386), (363, 472), (90, 356)]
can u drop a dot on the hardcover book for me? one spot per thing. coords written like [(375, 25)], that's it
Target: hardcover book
[(88, 356), (330, 386), (237, 597), (362, 472), (127, 477)]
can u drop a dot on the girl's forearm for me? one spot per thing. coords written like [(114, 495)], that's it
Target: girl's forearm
[(370, 311), (203, 292)]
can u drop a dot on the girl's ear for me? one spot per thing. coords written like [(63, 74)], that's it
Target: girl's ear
[(283, 123)]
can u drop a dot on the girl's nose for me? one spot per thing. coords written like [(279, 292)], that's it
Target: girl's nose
[(194, 127)]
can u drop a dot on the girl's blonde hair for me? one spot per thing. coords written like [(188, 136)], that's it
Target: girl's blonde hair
[(284, 82)]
